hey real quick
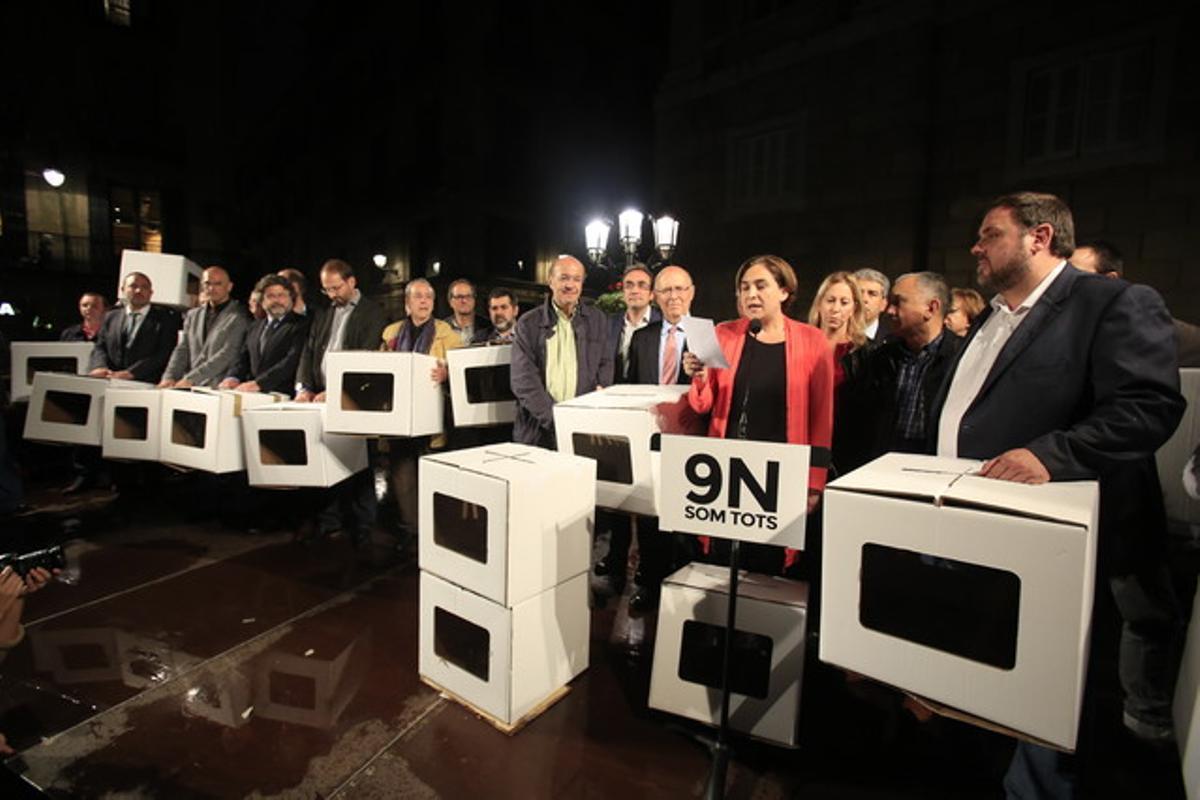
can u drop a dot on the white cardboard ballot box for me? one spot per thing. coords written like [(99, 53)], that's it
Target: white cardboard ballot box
[(503, 661), (174, 279), (973, 592), (506, 521), (615, 426), (1172, 456), (481, 385), (311, 689), (70, 358), (221, 696), (69, 409), (1186, 708), (202, 428), (286, 445), (132, 428), (768, 651), (382, 394)]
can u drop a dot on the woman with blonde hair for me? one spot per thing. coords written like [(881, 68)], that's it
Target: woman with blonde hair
[(965, 306), (837, 311)]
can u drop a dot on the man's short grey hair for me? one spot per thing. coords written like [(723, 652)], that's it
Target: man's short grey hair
[(415, 282), (933, 286), (867, 274)]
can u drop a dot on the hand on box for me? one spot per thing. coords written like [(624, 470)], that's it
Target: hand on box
[(166, 384), (121, 375), (249, 386), (319, 397), (814, 497), (100, 372), (304, 396), (183, 383), (440, 372), (228, 383), (5, 749), (1019, 466)]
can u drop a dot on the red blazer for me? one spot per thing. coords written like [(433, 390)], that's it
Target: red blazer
[(809, 386)]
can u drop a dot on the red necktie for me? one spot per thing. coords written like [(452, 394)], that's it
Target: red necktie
[(670, 363)]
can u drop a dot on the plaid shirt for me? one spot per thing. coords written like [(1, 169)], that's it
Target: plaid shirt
[(910, 399)]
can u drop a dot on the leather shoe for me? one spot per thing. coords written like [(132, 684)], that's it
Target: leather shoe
[(644, 599), (80, 483)]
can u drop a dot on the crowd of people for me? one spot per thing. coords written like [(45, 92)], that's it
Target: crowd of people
[(1060, 375)]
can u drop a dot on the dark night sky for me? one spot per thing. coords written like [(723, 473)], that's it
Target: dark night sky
[(268, 123)]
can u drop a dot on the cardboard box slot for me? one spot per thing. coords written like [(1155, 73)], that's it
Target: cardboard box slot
[(368, 391), (188, 428), (702, 653), (297, 691), (49, 364), (460, 526), (282, 448), (66, 408), (611, 454), (959, 608), (131, 422), (489, 384), (462, 643)]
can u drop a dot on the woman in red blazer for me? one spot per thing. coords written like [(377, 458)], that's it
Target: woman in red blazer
[(786, 366)]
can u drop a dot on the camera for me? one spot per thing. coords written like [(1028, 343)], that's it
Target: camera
[(49, 558)]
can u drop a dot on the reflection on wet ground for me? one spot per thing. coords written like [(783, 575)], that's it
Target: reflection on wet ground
[(193, 661)]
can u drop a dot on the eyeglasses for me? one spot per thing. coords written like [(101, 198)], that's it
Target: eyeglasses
[(668, 291), (461, 296)]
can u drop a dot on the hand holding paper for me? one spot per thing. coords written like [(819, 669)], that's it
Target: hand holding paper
[(702, 342)]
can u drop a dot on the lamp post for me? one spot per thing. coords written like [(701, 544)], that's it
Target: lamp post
[(629, 235)]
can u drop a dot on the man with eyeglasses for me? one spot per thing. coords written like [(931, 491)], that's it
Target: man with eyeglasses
[(352, 322), (471, 328), (561, 350), (636, 292), (654, 356), (213, 336)]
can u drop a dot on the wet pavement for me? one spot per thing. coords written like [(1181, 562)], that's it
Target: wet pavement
[(193, 661)]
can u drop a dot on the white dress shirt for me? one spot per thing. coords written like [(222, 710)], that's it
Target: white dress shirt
[(978, 360)]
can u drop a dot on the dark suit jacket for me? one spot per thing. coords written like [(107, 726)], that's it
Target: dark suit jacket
[(616, 325), (865, 408), (1089, 383), (272, 364), (643, 356), (364, 330), (146, 357)]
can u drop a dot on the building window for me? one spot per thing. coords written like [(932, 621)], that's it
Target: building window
[(136, 219), (764, 168), (1093, 105), (117, 12), (1091, 108)]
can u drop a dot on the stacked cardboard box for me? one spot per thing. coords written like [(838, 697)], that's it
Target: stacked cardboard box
[(504, 553)]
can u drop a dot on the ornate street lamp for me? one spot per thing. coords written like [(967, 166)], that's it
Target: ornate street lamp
[(629, 235)]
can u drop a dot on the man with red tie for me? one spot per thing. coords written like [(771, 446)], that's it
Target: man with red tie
[(655, 357)]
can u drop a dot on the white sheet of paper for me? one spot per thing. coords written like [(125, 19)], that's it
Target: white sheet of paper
[(702, 341)]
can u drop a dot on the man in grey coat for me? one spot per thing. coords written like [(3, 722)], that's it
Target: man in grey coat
[(560, 350), (213, 336)]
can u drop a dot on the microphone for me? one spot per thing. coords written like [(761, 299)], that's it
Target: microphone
[(743, 423)]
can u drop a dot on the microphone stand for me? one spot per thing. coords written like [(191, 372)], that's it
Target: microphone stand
[(715, 790)]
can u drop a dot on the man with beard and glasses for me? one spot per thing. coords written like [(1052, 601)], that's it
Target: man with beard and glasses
[(1072, 376), (271, 353)]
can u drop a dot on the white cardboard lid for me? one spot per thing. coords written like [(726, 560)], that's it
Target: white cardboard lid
[(628, 396), (953, 481), (767, 588)]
